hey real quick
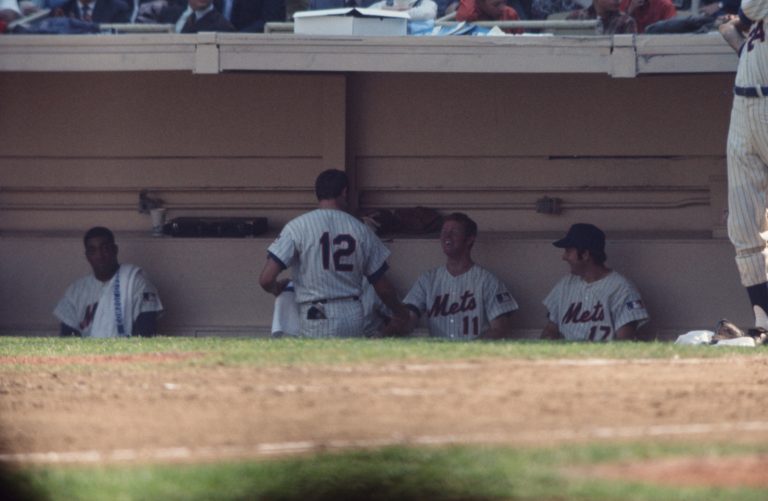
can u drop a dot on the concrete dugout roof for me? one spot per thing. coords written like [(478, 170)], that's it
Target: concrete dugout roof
[(621, 56)]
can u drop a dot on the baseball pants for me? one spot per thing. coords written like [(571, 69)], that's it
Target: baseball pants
[(342, 318), (747, 184)]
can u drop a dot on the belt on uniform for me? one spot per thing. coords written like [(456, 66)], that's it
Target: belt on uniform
[(334, 299), (751, 91)]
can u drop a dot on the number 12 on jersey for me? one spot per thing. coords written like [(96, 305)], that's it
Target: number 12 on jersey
[(340, 247)]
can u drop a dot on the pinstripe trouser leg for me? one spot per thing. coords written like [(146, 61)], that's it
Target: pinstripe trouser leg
[(343, 319), (747, 183)]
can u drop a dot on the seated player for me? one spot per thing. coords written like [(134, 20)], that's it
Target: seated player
[(461, 300), (116, 300), (593, 302)]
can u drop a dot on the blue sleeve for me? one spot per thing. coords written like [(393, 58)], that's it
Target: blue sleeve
[(745, 21), (731, 6)]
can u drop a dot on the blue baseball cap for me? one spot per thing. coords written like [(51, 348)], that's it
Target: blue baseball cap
[(583, 236)]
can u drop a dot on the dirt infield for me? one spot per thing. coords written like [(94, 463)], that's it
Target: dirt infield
[(111, 411)]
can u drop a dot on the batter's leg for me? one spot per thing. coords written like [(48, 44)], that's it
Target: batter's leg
[(747, 183)]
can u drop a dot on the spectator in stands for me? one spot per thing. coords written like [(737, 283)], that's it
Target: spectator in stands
[(96, 11), (612, 19), (709, 18), (251, 15), (542, 9), (9, 12), (192, 16), (487, 10), (240, 15), (114, 301), (201, 15), (647, 12), (419, 10), (522, 7), (717, 8)]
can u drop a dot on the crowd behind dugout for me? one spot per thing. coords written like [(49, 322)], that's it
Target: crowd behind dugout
[(250, 16)]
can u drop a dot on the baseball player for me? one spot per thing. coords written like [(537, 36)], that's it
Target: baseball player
[(285, 315), (461, 300), (748, 152), (116, 300), (330, 252), (593, 302)]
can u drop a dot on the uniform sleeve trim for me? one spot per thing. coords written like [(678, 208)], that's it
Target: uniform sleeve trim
[(376, 275), (745, 21), (413, 309), (276, 259)]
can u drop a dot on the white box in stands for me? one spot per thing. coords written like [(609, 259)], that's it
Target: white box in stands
[(351, 21)]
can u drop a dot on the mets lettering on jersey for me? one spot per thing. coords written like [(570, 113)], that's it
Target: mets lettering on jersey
[(594, 311), (460, 307), (90, 306)]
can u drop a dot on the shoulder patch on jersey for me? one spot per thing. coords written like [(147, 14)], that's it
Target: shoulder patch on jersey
[(503, 297), (636, 304)]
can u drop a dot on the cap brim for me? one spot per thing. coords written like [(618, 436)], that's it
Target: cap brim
[(562, 243)]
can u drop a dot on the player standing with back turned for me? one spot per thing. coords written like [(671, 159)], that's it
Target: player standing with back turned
[(330, 252), (748, 153)]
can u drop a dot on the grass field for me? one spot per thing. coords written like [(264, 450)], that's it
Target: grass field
[(328, 380)]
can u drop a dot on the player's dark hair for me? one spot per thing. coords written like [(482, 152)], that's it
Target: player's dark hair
[(330, 184), (470, 227), (598, 256), (99, 231)]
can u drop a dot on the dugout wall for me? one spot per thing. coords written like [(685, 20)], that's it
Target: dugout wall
[(633, 144)]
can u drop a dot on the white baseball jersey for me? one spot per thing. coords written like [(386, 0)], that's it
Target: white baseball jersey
[(460, 307), (748, 152), (594, 311), (753, 58), (330, 252), (88, 304)]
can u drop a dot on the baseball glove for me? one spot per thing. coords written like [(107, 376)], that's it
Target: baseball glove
[(728, 330), (418, 220), (381, 221)]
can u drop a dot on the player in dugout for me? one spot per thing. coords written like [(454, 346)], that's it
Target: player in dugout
[(331, 252), (593, 302), (117, 300), (460, 299)]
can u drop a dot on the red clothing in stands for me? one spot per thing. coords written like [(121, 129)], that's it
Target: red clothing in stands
[(469, 12), (652, 11)]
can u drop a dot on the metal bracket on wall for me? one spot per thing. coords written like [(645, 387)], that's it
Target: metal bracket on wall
[(547, 205)]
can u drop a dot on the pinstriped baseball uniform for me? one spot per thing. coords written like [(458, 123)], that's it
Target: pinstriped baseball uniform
[(593, 311), (460, 307), (748, 152), (329, 252)]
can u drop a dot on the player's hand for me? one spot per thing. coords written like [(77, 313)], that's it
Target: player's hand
[(279, 286), (398, 325)]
